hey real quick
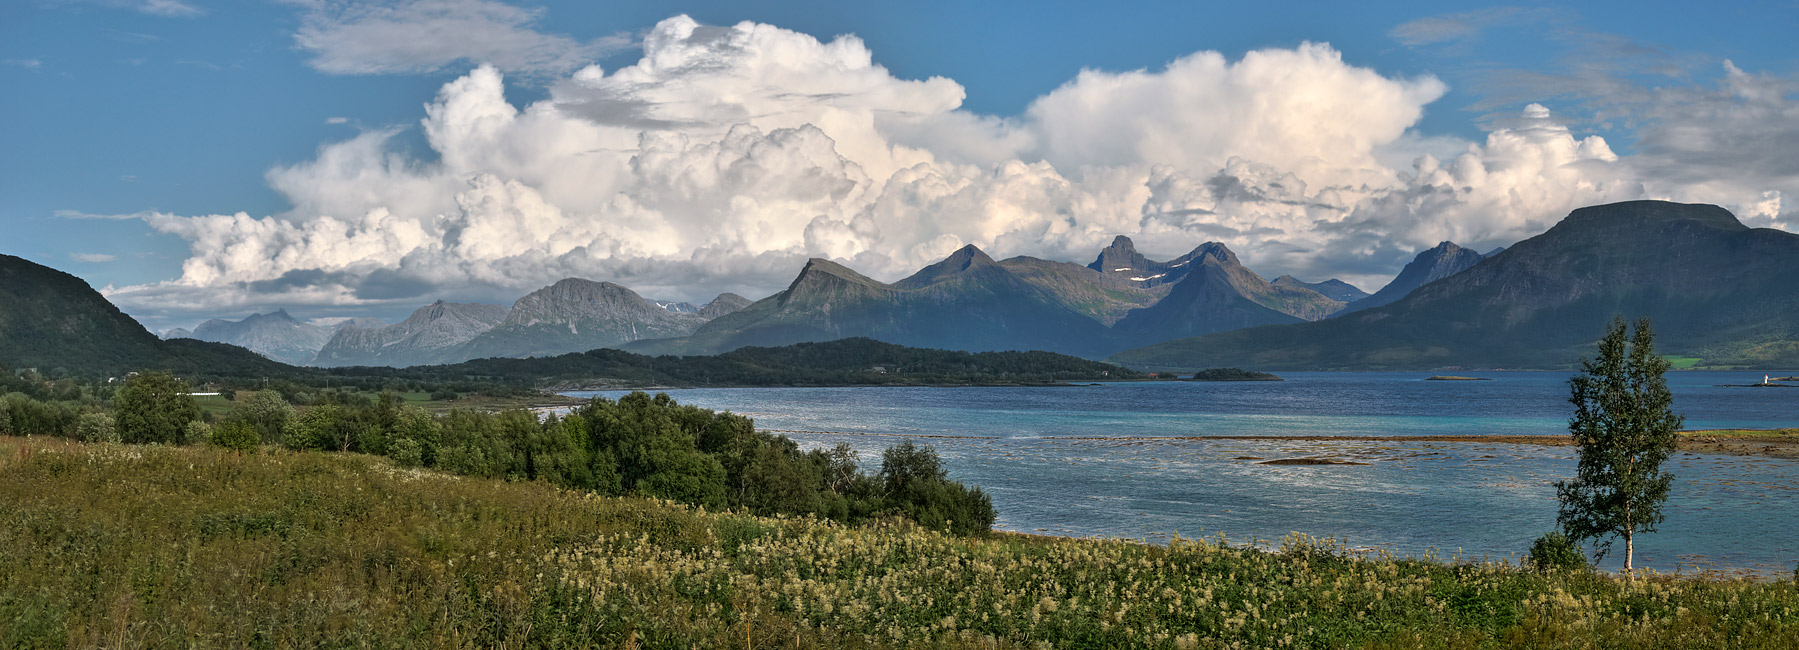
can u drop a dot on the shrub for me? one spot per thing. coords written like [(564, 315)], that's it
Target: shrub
[(96, 427), (197, 433), (319, 428), (405, 452), (1557, 551), (236, 435)]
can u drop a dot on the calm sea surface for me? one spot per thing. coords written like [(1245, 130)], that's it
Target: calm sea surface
[(1079, 460)]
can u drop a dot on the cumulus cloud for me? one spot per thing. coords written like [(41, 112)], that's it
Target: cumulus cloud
[(405, 36), (727, 155)]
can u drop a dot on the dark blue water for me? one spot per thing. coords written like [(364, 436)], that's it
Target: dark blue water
[(1084, 460)]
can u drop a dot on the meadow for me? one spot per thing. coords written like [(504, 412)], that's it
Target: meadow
[(109, 545)]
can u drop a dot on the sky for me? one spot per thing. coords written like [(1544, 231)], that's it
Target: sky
[(195, 159)]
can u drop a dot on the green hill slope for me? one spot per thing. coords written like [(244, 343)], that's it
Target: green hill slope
[(54, 321)]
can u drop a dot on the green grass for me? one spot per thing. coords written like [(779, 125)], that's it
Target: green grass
[(121, 546), (1682, 363), (216, 405)]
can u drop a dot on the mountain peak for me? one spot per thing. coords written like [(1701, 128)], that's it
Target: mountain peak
[(965, 260), (725, 303), (819, 265), (819, 271), (1438, 262), (1121, 257), (967, 256), (1213, 250)]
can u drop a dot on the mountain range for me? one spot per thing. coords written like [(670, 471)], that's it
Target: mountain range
[(1712, 287), (576, 315), (275, 335), (428, 336), (967, 301), (1715, 289)]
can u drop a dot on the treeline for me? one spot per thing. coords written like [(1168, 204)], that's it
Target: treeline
[(636, 445), (853, 361)]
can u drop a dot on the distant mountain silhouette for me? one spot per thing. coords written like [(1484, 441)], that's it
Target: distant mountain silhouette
[(1333, 288), (576, 315), (1714, 289), (1442, 261), (431, 334), (275, 335), (1215, 293), (965, 302)]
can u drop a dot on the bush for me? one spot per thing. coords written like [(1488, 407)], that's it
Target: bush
[(197, 433), (236, 435), (319, 428), (96, 427), (405, 452), (1556, 551)]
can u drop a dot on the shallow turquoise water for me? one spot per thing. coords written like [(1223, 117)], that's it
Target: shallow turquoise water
[(1080, 460)]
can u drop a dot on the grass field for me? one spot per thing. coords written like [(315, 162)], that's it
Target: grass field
[(1682, 363), (121, 547)]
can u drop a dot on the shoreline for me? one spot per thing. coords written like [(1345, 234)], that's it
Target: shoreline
[(1772, 443), (1071, 383)]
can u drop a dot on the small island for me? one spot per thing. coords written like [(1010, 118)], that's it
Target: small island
[(1457, 378), (1232, 374)]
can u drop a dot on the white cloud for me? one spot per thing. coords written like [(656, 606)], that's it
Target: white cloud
[(28, 64), (169, 8), (727, 155), (1303, 110), (77, 214), (337, 120), (409, 36), (92, 257)]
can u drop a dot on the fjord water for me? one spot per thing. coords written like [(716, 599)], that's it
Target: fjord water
[(1106, 459)]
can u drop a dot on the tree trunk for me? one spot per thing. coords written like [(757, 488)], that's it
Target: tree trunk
[(1630, 550)]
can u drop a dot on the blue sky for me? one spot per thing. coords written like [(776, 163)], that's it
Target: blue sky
[(183, 107)]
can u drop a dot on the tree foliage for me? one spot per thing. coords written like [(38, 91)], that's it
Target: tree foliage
[(1623, 427), (236, 435), (97, 427), (154, 407), (268, 413)]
